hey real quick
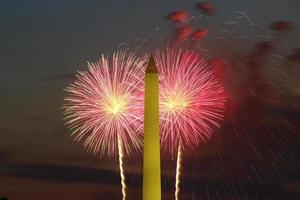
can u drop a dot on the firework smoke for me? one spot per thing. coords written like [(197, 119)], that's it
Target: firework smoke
[(104, 107), (251, 62)]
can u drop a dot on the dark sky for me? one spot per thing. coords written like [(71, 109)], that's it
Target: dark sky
[(42, 45)]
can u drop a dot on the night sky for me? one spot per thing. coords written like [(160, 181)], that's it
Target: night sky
[(44, 43)]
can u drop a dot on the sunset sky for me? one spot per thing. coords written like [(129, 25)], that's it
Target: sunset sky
[(44, 43)]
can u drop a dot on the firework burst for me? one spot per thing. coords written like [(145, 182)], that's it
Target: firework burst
[(105, 106), (191, 99), (191, 102)]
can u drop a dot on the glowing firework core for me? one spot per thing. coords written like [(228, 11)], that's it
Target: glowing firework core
[(116, 105), (175, 103)]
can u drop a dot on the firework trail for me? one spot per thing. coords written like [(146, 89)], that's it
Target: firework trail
[(104, 107), (178, 172), (191, 102), (122, 175)]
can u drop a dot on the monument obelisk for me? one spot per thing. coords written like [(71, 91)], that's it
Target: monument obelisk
[(151, 164)]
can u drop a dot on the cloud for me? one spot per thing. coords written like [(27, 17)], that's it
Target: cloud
[(60, 173), (4, 155)]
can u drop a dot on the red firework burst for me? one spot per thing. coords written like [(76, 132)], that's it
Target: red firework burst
[(105, 104), (191, 99)]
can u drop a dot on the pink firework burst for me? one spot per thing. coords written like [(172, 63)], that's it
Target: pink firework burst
[(104, 106), (191, 99)]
